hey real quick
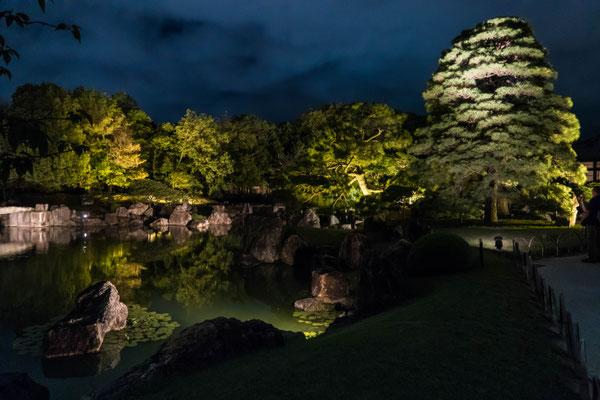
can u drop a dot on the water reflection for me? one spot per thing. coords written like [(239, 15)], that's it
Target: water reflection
[(188, 277)]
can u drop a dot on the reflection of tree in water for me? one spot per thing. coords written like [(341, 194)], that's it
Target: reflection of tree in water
[(198, 271), (41, 286)]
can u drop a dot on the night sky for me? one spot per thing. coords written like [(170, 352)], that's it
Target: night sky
[(278, 58)]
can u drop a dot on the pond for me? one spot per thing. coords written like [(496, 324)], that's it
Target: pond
[(168, 282)]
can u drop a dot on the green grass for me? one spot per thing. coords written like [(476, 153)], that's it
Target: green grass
[(475, 335), (567, 239)]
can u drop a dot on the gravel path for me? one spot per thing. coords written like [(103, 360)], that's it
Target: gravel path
[(580, 283)]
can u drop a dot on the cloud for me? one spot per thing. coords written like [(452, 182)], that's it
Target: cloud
[(277, 58)]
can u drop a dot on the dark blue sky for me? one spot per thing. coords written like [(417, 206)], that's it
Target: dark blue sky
[(278, 58)]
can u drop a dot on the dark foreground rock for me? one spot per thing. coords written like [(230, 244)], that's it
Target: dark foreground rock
[(198, 346), (351, 250), (291, 246), (19, 386), (97, 311)]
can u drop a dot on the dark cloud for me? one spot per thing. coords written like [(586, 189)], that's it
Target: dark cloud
[(278, 58)]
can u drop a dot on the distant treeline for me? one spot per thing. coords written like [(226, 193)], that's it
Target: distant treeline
[(55, 139)]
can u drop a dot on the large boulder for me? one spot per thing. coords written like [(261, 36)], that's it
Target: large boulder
[(61, 216), (19, 386), (122, 212), (138, 209), (180, 218), (97, 311), (351, 250), (197, 347), (219, 216), (290, 248), (262, 236), (184, 207), (111, 218), (310, 219), (330, 286)]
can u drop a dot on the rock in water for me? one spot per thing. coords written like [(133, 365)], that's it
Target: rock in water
[(180, 218), (262, 237), (310, 219), (19, 386), (138, 209), (290, 246), (198, 346), (352, 248), (97, 311), (219, 216), (329, 286)]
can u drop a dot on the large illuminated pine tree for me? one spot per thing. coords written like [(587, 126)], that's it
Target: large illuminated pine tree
[(495, 129)]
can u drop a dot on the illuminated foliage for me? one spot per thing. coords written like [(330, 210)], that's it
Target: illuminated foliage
[(253, 147), (495, 129), (350, 151), (192, 155)]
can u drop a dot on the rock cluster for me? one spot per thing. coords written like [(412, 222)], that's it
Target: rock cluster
[(97, 311)]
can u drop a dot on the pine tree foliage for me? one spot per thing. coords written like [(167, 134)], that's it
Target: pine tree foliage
[(495, 127)]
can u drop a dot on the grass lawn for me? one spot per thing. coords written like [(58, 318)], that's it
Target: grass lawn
[(476, 335), (530, 237)]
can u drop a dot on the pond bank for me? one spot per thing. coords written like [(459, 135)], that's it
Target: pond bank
[(467, 336)]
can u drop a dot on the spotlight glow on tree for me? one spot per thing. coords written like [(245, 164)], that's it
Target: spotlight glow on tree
[(495, 129)]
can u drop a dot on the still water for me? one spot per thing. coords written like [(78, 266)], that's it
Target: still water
[(173, 281)]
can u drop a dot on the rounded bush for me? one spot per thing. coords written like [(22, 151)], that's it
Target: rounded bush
[(439, 253)]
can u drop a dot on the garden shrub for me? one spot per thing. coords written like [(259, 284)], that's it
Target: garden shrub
[(155, 191), (439, 253)]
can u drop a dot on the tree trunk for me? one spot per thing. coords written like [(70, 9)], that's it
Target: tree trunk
[(491, 206), (503, 207), (573, 216)]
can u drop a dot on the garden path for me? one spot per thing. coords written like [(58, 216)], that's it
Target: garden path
[(580, 283)]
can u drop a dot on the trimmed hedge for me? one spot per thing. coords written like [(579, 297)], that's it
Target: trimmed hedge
[(439, 253)]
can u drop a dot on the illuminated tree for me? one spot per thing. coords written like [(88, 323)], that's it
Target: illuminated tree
[(495, 128), (350, 151), (123, 164), (192, 155), (253, 145), (43, 130)]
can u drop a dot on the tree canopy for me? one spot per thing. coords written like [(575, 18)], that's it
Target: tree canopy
[(348, 152), (495, 127)]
